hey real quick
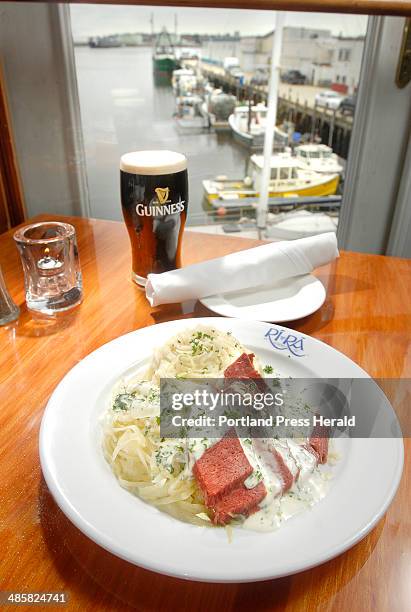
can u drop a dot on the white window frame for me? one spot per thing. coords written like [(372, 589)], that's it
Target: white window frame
[(376, 160)]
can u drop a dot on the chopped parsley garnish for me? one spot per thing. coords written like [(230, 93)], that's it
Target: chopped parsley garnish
[(268, 369), (123, 401), (197, 343)]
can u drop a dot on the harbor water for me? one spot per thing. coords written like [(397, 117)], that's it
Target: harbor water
[(124, 108)]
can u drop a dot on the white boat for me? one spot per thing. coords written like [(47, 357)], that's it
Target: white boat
[(318, 157), (189, 84), (217, 107), (248, 124), (179, 75), (188, 111), (299, 224)]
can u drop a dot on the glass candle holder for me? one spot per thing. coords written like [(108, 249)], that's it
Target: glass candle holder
[(9, 311), (52, 274)]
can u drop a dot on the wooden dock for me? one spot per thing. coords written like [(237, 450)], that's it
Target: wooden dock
[(333, 128)]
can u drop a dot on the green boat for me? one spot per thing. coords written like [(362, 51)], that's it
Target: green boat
[(164, 56)]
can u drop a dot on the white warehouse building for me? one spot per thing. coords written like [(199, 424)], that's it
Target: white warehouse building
[(324, 59)]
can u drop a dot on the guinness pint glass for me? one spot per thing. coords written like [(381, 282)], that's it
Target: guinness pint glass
[(154, 199)]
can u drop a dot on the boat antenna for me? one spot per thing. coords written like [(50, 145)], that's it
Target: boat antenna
[(152, 26), (271, 121)]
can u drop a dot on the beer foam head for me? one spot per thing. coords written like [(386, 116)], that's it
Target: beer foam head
[(153, 162)]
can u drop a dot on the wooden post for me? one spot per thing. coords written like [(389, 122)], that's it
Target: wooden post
[(313, 120), (331, 130)]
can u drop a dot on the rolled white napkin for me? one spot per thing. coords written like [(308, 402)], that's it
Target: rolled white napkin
[(262, 265)]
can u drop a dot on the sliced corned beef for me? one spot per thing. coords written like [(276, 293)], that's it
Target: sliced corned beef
[(221, 468), (240, 501), (242, 367), (320, 448), (319, 442)]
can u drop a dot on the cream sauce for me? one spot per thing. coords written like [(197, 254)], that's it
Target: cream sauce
[(308, 489)]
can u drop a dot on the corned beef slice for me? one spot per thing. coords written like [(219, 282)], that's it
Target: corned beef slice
[(221, 468), (319, 442), (239, 501), (220, 473), (242, 367), (320, 448)]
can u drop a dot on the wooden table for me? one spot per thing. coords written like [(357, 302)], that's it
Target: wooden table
[(367, 316)]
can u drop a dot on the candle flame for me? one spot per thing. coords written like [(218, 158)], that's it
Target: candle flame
[(46, 251)]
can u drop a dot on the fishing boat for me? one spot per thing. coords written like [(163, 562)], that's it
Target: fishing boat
[(217, 107), (248, 125), (188, 111), (180, 75), (318, 157), (164, 56), (287, 179), (188, 84)]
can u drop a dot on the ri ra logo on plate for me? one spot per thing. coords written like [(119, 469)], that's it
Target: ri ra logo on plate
[(282, 340)]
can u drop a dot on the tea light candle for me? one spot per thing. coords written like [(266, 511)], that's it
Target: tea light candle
[(48, 264)]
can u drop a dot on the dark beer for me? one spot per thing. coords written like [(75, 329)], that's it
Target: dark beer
[(154, 199)]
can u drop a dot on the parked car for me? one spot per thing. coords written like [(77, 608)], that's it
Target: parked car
[(230, 62), (237, 73), (328, 99), (294, 77), (348, 105), (259, 78)]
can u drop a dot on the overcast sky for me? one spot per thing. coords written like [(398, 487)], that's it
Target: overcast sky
[(93, 19)]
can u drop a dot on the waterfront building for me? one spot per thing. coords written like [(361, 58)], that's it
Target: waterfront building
[(322, 58)]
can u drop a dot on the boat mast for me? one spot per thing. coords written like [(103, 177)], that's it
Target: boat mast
[(271, 121)]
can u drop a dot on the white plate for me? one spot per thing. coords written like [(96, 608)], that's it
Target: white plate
[(287, 300), (88, 493)]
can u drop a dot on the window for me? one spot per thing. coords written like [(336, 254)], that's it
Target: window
[(126, 106), (344, 55)]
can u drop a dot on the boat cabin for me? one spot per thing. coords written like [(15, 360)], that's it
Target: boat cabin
[(318, 157), (314, 151), (283, 168), (257, 120)]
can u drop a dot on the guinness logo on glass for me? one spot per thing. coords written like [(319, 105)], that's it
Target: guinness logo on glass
[(162, 194), (161, 205)]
